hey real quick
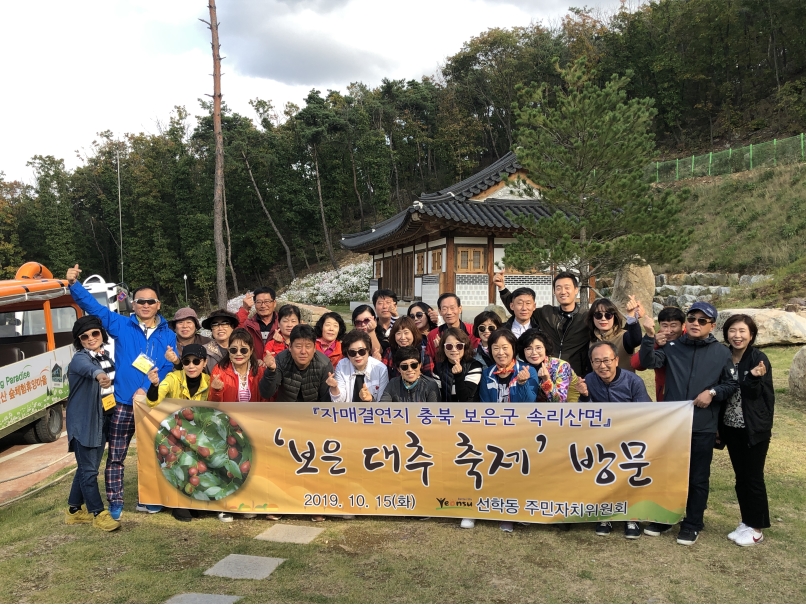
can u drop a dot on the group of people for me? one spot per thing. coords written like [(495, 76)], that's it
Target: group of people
[(553, 353)]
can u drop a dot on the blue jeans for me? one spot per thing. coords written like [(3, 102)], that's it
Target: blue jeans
[(85, 481)]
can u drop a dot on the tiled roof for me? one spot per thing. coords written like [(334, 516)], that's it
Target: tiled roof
[(451, 208), (477, 183)]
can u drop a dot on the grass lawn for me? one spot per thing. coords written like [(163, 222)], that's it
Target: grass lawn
[(386, 559)]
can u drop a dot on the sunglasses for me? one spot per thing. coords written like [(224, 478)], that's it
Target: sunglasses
[(186, 361), (459, 346), (698, 320), (418, 315), (88, 335), (357, 352), (483, 329), (404, 367), (362, 322), (600, 315), (236, 350), (146, 301)]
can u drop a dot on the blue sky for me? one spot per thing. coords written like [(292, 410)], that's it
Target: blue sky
[(77, 68)]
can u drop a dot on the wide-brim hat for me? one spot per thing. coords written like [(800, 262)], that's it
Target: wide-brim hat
[(184, 313), (217, 316)]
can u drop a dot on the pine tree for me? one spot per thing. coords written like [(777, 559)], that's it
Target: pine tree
[(587, 146)]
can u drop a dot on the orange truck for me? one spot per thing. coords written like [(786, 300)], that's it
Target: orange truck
[(36, 345)]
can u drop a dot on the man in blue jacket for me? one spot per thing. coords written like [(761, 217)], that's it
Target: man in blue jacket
[(146, 333), (698, 369), (609, 383)]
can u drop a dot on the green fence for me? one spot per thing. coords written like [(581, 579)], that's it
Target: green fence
[(772, 153)]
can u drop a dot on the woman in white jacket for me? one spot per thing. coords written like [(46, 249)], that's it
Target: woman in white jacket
[(359, 377)]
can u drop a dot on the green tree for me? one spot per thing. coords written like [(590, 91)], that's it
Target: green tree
[(587, 145), (11, 254)]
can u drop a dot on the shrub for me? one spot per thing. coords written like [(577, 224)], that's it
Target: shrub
[(331, 287)]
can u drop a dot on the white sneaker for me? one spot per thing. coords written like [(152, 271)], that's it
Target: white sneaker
[(348, 517), (749, 537), (735, 533), (225, 517), (468, 523), (506, 526), (249, 515)]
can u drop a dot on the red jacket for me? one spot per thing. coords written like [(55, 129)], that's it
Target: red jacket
[(660, 375), (335, 355), (275, 347), (230, 380), (251, 325)]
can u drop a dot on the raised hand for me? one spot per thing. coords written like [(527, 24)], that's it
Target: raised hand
[(523, 375), (364, 394), (632, 304), (457, 367), (248, 301), (268, 359), (543, 371), (582, 387), (72, 274), (216, 383), (661, 339), (331, 381), (153, 376), (648, 324), (433, 315), (104, 380), (277, 336), (498, 280), (759, 370), (436, 343), (171, 355)]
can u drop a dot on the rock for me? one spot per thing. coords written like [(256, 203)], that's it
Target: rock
[(705, 298), (801, 302), (656, 308), (660, 280), (749, 280), (498, 310), (775, 327), (676, 279), (636, 280), (721, 290), (671, 301), (694, 290), (792, 308), (797, 375), (659, 299), (668, 290), (684, 301), (604, 282)]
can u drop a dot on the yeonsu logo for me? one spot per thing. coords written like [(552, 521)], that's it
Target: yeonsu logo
[(457, 503)]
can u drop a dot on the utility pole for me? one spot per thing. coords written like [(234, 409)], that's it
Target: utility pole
[(218, 189)]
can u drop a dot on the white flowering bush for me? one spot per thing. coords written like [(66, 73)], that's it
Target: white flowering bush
[(332, 287)]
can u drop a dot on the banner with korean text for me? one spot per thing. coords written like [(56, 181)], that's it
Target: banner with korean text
[(537, 462)]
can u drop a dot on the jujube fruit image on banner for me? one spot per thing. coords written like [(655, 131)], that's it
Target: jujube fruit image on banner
[(203, 453)]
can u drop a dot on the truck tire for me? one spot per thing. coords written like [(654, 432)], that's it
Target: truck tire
[(49, 427)]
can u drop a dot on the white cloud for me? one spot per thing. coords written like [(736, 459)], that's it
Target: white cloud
[(76, 68)]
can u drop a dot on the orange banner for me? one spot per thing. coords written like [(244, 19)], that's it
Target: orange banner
[(539, 463)]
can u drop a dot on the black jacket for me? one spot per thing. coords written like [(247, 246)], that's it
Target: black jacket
[(758, 397), (693, 366), (570, 339), (467, 383), (287, 380), (425, 391)]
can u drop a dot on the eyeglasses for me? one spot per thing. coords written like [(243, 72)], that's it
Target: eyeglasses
[(264, 303), (418, 315), (605, 362), (698, 320), (236, 350), (88, 335), (404, 367), (459, 346), (600, 315), (362, 322), (221, 324), (146, 301), (186, 361), (483, 329), (357, 352)]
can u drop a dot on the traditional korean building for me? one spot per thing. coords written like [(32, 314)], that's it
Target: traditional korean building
[(453, 240)]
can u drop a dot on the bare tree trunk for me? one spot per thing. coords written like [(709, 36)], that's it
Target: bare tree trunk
[(584, 278), (355, 186), (271, 222), (322, 209), (229, 247), (218, 190)]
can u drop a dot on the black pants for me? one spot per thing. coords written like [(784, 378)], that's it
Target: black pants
[(699, 480), (748, 465)]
